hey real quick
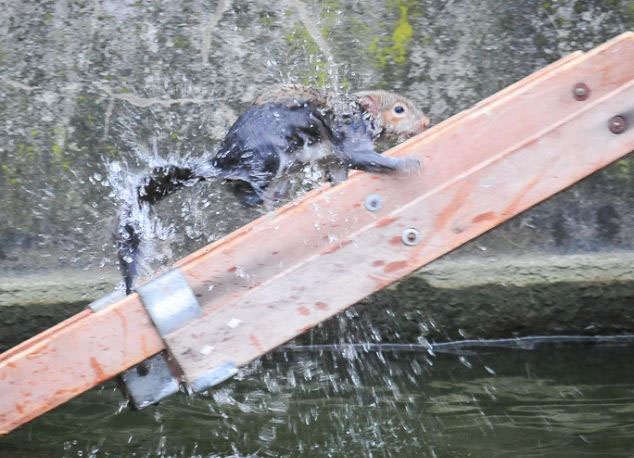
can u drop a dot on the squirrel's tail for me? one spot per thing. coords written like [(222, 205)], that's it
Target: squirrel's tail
[(148, 190)]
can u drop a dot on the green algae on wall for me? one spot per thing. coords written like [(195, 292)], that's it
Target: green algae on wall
[(396, 49), (300, 40)]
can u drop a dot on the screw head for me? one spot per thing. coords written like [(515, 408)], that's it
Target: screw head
[(373, 203), (617, 124), (581, 91), (143, 368), (410, 236)]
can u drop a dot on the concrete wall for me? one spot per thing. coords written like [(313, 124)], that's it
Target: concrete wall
[(93, 92)]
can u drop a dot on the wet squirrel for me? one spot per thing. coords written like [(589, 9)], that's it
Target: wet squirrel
[(287, 127)]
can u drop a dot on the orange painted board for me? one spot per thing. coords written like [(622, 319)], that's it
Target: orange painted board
[(348, 252), (491, 125), (289, 270), (330, 219), (72, 357)]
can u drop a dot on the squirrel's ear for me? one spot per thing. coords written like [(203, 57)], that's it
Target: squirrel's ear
[(370, 103)]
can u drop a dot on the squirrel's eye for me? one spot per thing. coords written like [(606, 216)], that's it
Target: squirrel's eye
[(399, 109)]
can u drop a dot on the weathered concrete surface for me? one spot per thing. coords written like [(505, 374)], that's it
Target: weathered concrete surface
[(87, 85), (465, 297), (33, 302), (56, 287), (452, 298)]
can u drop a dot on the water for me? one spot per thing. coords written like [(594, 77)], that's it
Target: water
[(544, 400)]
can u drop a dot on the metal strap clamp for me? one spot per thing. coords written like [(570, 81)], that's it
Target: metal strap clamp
[(171, 304)]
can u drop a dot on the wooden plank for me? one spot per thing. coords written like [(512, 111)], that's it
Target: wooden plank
[(286, 271), (72, 357), (227, 271), (341, 263)]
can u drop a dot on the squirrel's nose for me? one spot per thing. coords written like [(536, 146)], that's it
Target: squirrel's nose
[(424, 123)]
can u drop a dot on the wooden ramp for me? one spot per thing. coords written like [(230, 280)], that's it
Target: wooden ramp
[(288, 271)]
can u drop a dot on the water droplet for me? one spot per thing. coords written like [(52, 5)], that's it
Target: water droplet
[(465, 362), (234, 323)]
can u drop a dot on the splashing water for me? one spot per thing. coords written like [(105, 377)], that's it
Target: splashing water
[(308, 402)]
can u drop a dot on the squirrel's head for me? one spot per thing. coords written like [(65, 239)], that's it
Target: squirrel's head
[(395, 114)]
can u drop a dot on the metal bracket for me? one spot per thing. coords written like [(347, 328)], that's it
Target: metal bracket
[(150, 381), (171, 304), (107, 300), (212, 377)]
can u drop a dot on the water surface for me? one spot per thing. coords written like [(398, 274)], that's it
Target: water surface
[(554, 400)]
